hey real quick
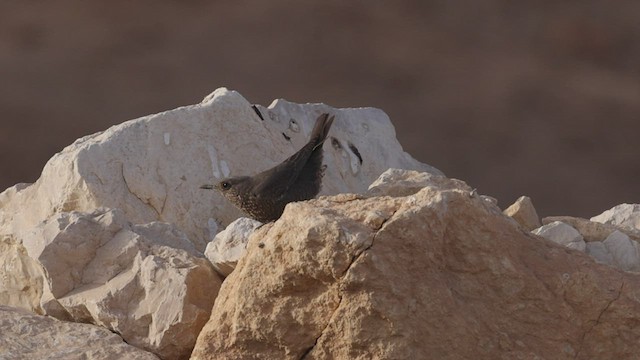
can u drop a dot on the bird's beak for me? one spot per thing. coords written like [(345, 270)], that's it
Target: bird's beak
[(207, 187)]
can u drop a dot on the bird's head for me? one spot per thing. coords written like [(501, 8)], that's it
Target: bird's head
[(235, 189)]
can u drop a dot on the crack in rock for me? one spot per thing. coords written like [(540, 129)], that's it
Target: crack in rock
[(126, 184), (597, 321), (315, 342), (340, 296)]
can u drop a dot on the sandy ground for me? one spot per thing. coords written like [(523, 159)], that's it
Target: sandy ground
[(532, 97)]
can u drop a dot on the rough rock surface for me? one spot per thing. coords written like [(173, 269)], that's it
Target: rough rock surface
[(29, 336), (152, 167), (623, 250), (524, 213), (598, 250), (139, 269), (146, 282), (562, 234), (591, 230), (625, 215), (615, 245), (230, 245), (439, 273)]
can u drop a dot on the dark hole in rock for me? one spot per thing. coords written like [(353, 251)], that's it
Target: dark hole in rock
[(356, 152), (255, 108), (335, 143)]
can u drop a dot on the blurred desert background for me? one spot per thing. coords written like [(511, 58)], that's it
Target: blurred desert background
[(535, 97)]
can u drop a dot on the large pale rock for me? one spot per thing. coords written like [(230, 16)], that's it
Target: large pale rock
[(599, 251), (25, 335), (146, 282), (436, 274), (615, 245), (625, 215), (623, 250), (591, 230), (524, 213), (60, 255), (399, 182), (21, 277), (562, 234), (230, 245), (152, 167)]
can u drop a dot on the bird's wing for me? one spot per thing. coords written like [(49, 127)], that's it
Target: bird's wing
[(276, 181)]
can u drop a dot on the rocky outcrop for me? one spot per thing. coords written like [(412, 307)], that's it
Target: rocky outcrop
[(524, 213), (436, 272), (611, 237), (145, 282), (230, 245), (415, 265), (29, 336), (591, 230), (113, 231), (151, 168)]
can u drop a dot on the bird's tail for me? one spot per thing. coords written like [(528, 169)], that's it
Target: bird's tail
[(321, 129)]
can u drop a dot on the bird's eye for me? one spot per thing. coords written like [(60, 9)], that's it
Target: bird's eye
[(226, 185)]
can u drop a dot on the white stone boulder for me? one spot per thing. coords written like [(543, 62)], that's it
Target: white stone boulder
[(623, 250), (626, 215), (562, 234), (598, 250), (25, 335), (230, 245), (147, 283), (152, 167), (139, 269)]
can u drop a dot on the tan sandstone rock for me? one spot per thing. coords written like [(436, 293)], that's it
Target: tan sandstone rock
[(146, 282), (24, 335), (435, 274), (524, 213), (231, 244)]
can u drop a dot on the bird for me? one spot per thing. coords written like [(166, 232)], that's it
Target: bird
[(263, 196)]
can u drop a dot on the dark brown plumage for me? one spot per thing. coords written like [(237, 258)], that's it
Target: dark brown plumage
[(264, 196)]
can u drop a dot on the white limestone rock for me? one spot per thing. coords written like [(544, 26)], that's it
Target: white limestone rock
[(624, 251), (561, 234), (599, 251), (146, 282), (29, 336), (64, 255), (230, 245), (625, 215), (152, 167)]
